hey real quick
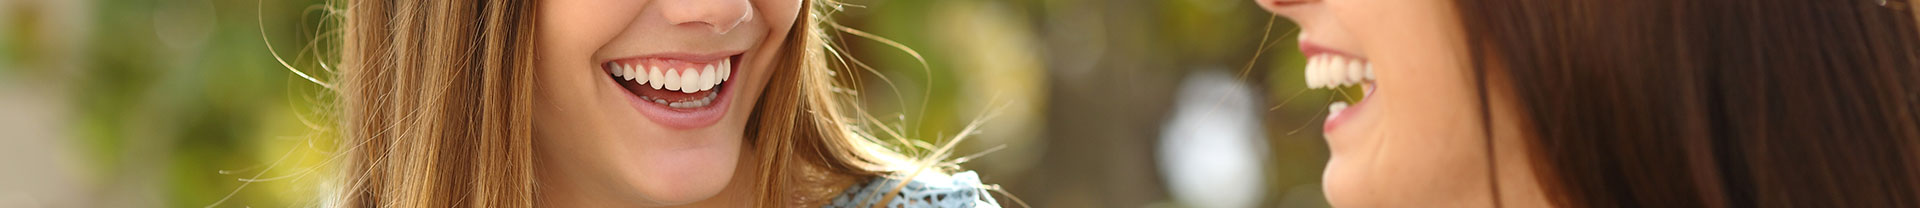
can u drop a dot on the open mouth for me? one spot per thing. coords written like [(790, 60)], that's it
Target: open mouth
[(675, 83), (1335, 71), (677, 91)]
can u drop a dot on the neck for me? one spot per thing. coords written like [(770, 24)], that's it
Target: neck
[(566, 190)]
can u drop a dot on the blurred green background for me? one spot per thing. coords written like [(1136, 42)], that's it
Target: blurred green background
[(177, 103)]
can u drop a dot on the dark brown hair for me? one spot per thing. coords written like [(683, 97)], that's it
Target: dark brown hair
[(1709, 103)]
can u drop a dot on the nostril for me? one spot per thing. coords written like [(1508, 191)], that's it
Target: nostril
[(716, 16), (722, 24), (715, 27)]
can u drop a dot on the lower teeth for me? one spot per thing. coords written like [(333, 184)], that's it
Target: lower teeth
[(695, 103), (1334, 109)]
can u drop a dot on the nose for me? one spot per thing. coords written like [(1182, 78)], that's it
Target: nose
[(719, 16)]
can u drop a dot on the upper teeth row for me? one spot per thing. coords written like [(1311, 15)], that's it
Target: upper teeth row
[(688, 80), (1331, 71)]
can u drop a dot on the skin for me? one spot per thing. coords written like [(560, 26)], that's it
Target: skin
[(596, 150), (1418, 141)]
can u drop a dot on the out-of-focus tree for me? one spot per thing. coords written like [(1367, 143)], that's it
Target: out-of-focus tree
[(169, 103), (1106, 72)]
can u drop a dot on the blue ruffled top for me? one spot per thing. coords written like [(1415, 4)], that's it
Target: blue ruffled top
[(960, 190)]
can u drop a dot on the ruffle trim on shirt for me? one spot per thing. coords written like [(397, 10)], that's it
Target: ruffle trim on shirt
[(961, 190)]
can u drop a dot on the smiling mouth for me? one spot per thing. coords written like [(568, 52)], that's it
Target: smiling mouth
[(674, 83), (1334, 71)]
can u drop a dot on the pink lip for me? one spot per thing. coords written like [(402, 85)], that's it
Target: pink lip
[(1309, 49), (683, 118), (681, 56), (1335, 119)]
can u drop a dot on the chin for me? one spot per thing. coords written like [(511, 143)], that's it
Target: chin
[(1342, 188), (682, 176)]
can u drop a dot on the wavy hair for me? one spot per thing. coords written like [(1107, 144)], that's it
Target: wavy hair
[(435, 103)]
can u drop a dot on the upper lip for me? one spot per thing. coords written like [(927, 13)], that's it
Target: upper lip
[(683, 56), (1285, 3), (1310, 49)]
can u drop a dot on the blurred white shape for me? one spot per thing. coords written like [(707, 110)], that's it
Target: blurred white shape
[(1213, 151), (41, 163)]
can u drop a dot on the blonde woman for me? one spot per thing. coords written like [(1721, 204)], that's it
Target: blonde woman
[(608, 103)]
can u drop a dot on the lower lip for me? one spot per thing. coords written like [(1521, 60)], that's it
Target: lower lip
[(1334, 119), (684, 118)]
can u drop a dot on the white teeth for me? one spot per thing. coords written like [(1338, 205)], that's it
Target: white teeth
[(1337, 75), (687, 80), (1330, 71), (657, 80), (726, 69), (1313, 63), (690, 80), (639, 75), (1334, 109), (1320, 71), (673, 81), (628, 69), (695, 103), (707, 78), (1358, 73), (619, 70), (1326, 67), (631, 71), (1369, 71), (616, 70), (718, 69)]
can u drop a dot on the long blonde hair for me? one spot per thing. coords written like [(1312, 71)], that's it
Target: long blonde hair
[(435, 100)]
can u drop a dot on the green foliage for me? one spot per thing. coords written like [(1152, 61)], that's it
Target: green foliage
[(185, 92)]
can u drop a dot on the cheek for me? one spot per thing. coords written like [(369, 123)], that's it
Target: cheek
[(1425, 83), (568, 32), (579, 27), (779, 13), (778, 17), (1389, 25), (1427, 148), (1409, 169)]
